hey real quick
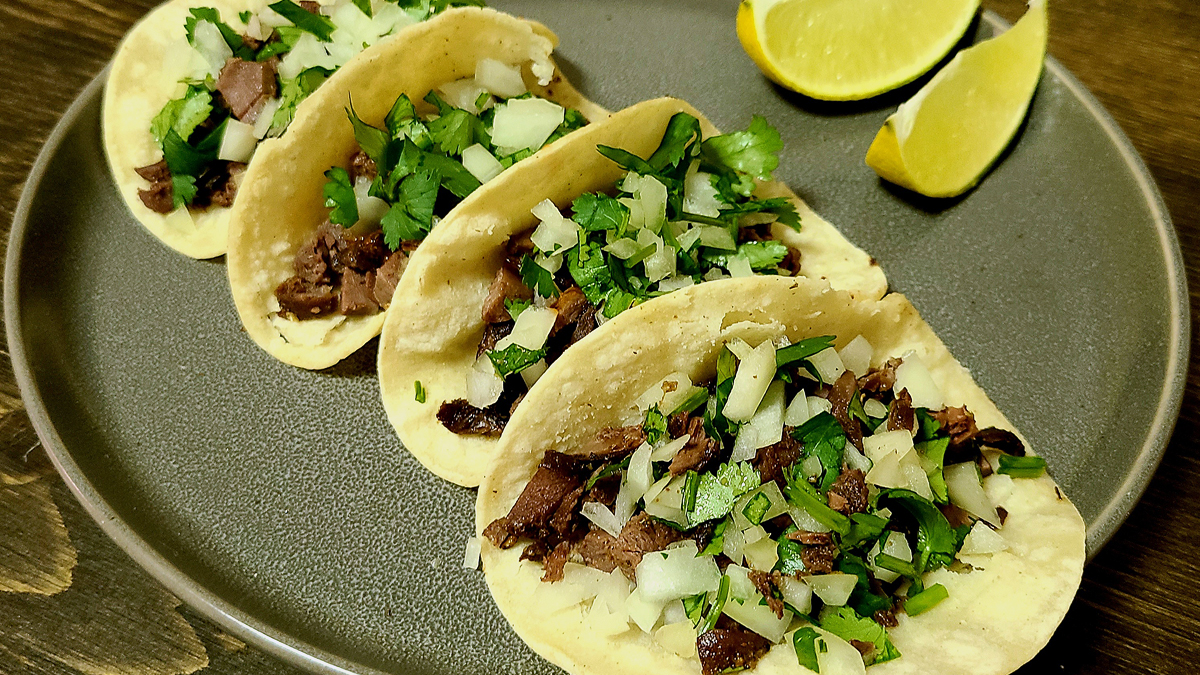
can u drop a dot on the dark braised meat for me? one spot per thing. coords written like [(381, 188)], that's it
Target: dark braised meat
[(246, 86), (791, 261), (866, 649), (880, 380), (362, 166), (700, 451), (641, 535), (811, 538), (886, 618), (556, 477), (506, 285), (584, 325), (959, 423), (160, 197), (848, 494), (360, 272), (734, 648), (311, 6), (518, 246), (599, 550), (773, 459), (841, 394), (218, 184), (552, 564), (954, 515), (463, 418), (819, 559), (767, 586), (967, 439), (387, 277), (901, 414), (570, 305), (1001, 439)]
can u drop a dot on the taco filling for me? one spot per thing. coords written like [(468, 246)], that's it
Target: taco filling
[(685, 215), (243, 86), (800, 492), (405, 177)]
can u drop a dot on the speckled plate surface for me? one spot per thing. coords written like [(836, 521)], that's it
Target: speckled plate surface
[(278, 501)]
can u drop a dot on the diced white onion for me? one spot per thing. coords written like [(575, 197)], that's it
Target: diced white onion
[(389, 18), (534, 373), (675, 283), (623, 248), (699, 194), (912, 375), (211, 45), (481, 163), (856, 356), (543, 70), (855, 459), (667, 502), (500, 78), (640, 474), (758, 618), (740, 586), (471, 553), (531, 329), (878, 445), (914, 473), (371, 210), (886, 472), (828, 365), (352, 26), (740, 348), (262, 125), (770, 490), (818, 405), (754, 375), (308, 52), (661, 263), (677, 573), (838, 657), (796, 593), (550, 263), (667, 451), (762, 554), (643, 611), (834, 588), (525, 123), (462, 94), (875, 408), (812, 466), (484, 386), (732, 546), (895, 545), (687, 237), (804, 520), (797, 411), (602, 517), (555, 233), (713, 236), (739, 266), (966, 491), (983, 539), (764, 428)]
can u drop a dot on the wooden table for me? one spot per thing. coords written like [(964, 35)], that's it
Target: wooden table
[(76, 603)]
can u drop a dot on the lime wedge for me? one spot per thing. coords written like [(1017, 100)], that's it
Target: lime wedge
[(842, 50), (942, 141)]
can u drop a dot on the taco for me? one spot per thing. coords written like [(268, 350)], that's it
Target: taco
[(329, 213), (196, 85), (771, 475), (651, 200)]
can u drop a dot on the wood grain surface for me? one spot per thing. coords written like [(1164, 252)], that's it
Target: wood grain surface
[(1138, 610)]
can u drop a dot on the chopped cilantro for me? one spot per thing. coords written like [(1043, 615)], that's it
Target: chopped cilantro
[(211, 15), (782, 207), (402, 111), (682, 131), (182, 115), (340, 196), (823, 437), (420, 391), (596, 212), (610, 470), (890, 562), (864, 527), (411, 215), (514, 358), (715, 609), (305, 20), (936, 542), (804, 641), (372, 140), (364, 6), (516, 306), (538, 278), (183, 190), (928, 428), (716, 543), (848, 625), (246, 16), (751, 151), (934, 452), (452, 131), (925, 600), (693, 401), (454, 176), (756, 508), (588, 269), (626, 159), (716, 493), (655, 425), (294, 91), (1022, 467), (694, 607), (802, 495), (790, 560), (802, 350)]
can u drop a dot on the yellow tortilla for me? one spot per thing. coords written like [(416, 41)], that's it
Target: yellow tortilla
[(280, 203), (434, 326), (143, 77), (996, 617)]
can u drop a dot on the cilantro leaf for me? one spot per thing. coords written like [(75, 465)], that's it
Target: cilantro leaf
[(617, 301), (364, 6), (590, 272), (436, 101), (694, 400), (182, 114), (596, 212), (935, 453), (823, 438), (751, 151), (803, 349), (211, 15), (677, 141), (515, 306), (514, 358), (373, 140), (411, 215), (782, 207), (936, 542), (182, 158), (288, 37), (626, 160), (183, 190), (655, 425), (790, 560), (305, 20), (716, 543), (340, 196), (804, 641), (452, 131), (402, 111), (538, 278), (848, 625), (802, 495), (454, 175), (763, 255), (716, 493), (294, 91)]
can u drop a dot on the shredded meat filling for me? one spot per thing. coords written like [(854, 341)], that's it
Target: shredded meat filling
[(699, 453), (730, 649)]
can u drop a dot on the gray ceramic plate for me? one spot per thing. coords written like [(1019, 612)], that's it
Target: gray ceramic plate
[(278, 501)]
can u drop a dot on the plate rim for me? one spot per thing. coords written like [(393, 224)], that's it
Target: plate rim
[(304, 655)]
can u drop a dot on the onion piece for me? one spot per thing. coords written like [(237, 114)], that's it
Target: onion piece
[(838, 656), (531, 329), (471, 553), (855, 459), (758, 618), (764, 428), (803, 520), (462, 94), (999, 487), (675, 283), (668, 450), (754, 375), (643, 611), (834, 588), (898, 442), (623, 248), (713, 236), (525, 123), (796, 593), (555, 233), (856, 356), (895, 545), (678, 638), (738, 267), (371, 210), (912, 375), (762, 554), (828, 365), (770, 490), (266, 118), (481, 163), (676, 574), (640, 475), (875, 408), (210, 44), (797, 411), (602, 517), (500, 78), (533, 373), (699, 194), (966, 491), (484, 386)]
